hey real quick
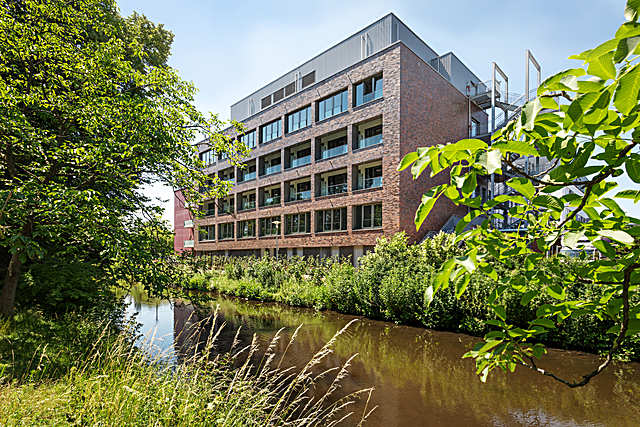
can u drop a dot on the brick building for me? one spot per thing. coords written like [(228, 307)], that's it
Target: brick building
[(327, 137)]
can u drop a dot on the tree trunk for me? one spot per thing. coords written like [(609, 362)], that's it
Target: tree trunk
[(8, 296)]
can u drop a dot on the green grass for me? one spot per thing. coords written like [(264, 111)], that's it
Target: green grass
[(115, 383)]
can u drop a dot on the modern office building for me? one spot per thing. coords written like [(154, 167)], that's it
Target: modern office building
[(326, 139)]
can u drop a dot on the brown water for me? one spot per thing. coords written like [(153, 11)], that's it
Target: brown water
[(418, 375)]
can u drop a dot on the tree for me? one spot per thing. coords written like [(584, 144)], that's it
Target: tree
[(586, 121), (91, 113)]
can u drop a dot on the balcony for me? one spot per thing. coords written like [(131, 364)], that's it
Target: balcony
[(244, 177), (188, 223), (189, 243), (333, 152), (302, 161), (268, 170), (375, 182), (370, 141), (300, 195), (271, 201), (333, 189), (247, 205)]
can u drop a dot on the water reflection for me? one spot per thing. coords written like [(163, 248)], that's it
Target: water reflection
[(418, 374)]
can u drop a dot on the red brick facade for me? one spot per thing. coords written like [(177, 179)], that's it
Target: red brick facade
[(418, 108)]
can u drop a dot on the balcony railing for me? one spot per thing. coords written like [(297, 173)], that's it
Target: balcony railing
[(188, 223), (270, 201), (334, 189), (244, 206), (247, 177), (210, 212), (300, 195), (300, 161), (333, 152), (225, 210), (188, 243), (370, 140), (271, 169), (374, 182)]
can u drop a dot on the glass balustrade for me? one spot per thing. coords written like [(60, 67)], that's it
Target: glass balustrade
[(270, 201), (333, 152), (369, 141), (371, 183), (334, 189), (271, 169), (300, 195), (300, 161)]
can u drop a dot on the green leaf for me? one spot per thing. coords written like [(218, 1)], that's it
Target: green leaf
[(527, 297), (501, 312), (546, 323), (557, 292), (625, 48), (529, 113), (523, 186), (491, 160), (461, 285), (632, 165), (602, 66), (631, 10), (548, 201), (441, 279), (425, 207), (407, 160), (626, 96), (466, 144), (428, 295), (519, 147), (629, 194), (572, 238), (617, 235)]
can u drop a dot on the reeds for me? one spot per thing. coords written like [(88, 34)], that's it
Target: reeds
[(122, 383)]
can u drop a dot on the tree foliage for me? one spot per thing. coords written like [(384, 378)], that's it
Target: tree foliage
[(586, 121), (91, 113)]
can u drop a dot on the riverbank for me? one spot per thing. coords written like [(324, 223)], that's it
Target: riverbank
[(83, 369), (391, 283)]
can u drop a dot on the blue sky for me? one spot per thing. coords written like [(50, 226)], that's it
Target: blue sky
[(230, 49)]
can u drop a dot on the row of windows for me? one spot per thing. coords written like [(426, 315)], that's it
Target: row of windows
[(365, 91), (330, 220)]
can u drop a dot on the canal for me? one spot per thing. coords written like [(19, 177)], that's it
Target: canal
[(418, 374)]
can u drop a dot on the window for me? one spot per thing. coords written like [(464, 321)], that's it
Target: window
[(247, 228), (208, 157), (278, 95), (226, 206), (225, 231), (368, 90), (266, 101), (290, 89), (297, 223), (299, 191), (206, 232), (271, 131), (271, 196), (209, 209), (331, 220), (308, 79), (371, 178), (249, 139), (332, 105), (269, 226), (247, 201), (333, 184), (367, 216), (223, 156), (247, 173), (475, 125), (226, 175), (299, 155), (299, 119), (271, 164)]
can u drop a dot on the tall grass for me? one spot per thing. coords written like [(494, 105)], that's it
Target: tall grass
[(118, 383)]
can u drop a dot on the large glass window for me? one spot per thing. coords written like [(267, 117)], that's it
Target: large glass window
[(367, 216), (249, 139), (247, 228), (225, 231), (271, 131), (247, 201), (368, 90), (247, 173), (299, 191), (297, 223), (299, 119), (475, 126), (335, 104), (331, 220), (269, 226), (226, 205), (271, 196), (208, 157), (206, 232)]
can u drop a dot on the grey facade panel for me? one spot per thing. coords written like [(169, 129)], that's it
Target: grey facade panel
[(372, 39)]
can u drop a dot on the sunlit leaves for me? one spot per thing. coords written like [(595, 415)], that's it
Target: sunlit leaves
[(626, 95)]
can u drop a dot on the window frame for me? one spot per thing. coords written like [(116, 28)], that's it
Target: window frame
[(323, 105)]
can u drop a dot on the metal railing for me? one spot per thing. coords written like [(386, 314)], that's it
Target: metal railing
[(333, 152), (189, 243)]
